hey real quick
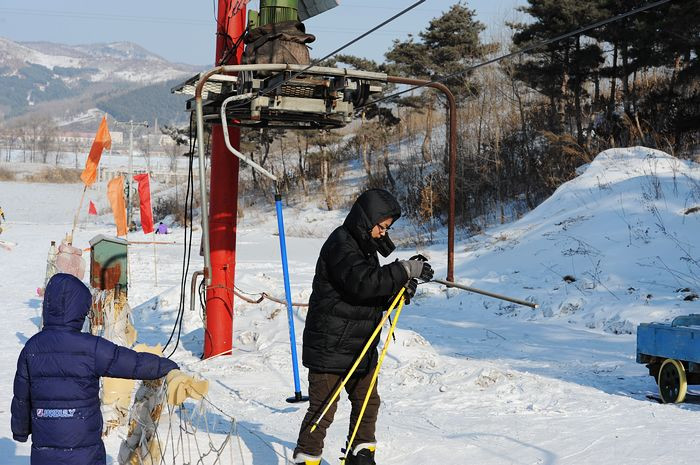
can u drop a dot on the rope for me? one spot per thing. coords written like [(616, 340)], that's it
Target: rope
[(263, 295)]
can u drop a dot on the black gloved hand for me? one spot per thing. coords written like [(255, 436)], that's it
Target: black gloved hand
[(427, 270), (418, 269), (411, 287)]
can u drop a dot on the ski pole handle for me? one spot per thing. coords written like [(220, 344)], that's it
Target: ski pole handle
[(486, 293)]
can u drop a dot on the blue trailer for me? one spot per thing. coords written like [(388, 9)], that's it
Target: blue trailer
[(671, 352)]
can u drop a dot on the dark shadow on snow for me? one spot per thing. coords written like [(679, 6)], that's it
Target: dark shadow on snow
[(265, 448), (255, 402), (21, 338)]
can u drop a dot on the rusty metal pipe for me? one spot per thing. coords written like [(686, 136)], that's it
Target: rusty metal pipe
[(452, 131), (204, 214), (486, 293), (452, 125), (193, 287)]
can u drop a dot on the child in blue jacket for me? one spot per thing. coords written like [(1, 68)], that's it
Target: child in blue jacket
[(57, 384)]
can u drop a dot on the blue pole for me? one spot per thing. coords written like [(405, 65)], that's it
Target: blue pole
[(288, 296)]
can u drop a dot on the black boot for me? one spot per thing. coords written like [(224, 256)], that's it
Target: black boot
[(363, 457)]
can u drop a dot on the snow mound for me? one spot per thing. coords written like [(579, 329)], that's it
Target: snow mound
[(613, 247)]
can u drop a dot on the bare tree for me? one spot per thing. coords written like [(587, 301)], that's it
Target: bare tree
[(144, 145), (47, 140), (13, 138), (33, 136), (75, 148)]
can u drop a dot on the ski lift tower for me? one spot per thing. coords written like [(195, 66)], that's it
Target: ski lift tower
[(270, 84)]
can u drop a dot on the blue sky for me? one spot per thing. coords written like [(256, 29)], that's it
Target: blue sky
[(183, 31)]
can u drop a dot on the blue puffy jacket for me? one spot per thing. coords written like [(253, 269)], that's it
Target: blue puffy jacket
[(57, 385)]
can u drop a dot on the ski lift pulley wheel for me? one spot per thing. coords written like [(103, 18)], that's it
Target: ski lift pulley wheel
[(672, 381), (284, 96)]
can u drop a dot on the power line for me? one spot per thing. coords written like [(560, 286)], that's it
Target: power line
[(102, 16), (523, 50)]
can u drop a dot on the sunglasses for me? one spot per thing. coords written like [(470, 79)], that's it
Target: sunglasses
[(383, 228)]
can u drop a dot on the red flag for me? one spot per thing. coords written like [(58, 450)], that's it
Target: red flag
[(91, 209), (145, 202), (102, 141), (115, 194)]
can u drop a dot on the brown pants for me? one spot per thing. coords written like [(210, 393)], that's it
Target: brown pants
[(321, 388)]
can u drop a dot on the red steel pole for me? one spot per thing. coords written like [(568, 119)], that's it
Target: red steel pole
[(223, 207)]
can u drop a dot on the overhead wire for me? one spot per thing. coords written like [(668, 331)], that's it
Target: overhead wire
[(102, 16), (519, 52)]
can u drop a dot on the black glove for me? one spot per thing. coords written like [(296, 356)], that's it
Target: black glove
[(427, 270), (411, 287), (418, 269)]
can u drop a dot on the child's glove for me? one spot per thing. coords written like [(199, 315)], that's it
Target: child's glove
[(182, 386)]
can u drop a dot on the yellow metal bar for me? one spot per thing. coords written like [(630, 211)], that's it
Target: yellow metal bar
[(359, 359), (348, 448)]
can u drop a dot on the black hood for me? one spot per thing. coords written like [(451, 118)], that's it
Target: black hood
[(66, 302), (369, 209)]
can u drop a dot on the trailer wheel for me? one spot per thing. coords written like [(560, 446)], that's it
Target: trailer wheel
[(672, 381)]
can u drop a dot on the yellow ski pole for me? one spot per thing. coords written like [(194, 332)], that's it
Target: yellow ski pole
[(348, 448), (359, 359)]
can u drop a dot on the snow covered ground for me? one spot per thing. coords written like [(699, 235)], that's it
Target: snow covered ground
[(469, 379)]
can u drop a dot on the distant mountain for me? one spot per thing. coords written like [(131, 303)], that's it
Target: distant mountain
[(43, 79)]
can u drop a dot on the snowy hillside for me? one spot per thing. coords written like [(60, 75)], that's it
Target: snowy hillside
[(469, 379), (612, 248), (36, 75), (118, 61)]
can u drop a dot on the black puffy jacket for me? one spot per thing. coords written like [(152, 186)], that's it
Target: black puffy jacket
[(350, 289)]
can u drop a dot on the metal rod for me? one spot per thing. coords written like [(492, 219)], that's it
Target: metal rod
[(193, 288), (373, 381), (452, 131), (199, 114), (487, 293), (288, 295), (204, 206), (155, 259), (77, 214), (233, 150), (359, 358)]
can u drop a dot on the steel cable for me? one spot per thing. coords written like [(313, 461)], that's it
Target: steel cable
[(520, 51)]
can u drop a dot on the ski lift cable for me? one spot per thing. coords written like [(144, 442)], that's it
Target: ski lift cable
[(334, 52), (520, 51)]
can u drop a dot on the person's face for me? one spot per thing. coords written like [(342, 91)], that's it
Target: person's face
[(381, 228)]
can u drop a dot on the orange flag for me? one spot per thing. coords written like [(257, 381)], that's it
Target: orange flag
[(115, 194), (102, 141)]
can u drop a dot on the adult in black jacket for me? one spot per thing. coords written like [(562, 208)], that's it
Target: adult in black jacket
[(350, 292)]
